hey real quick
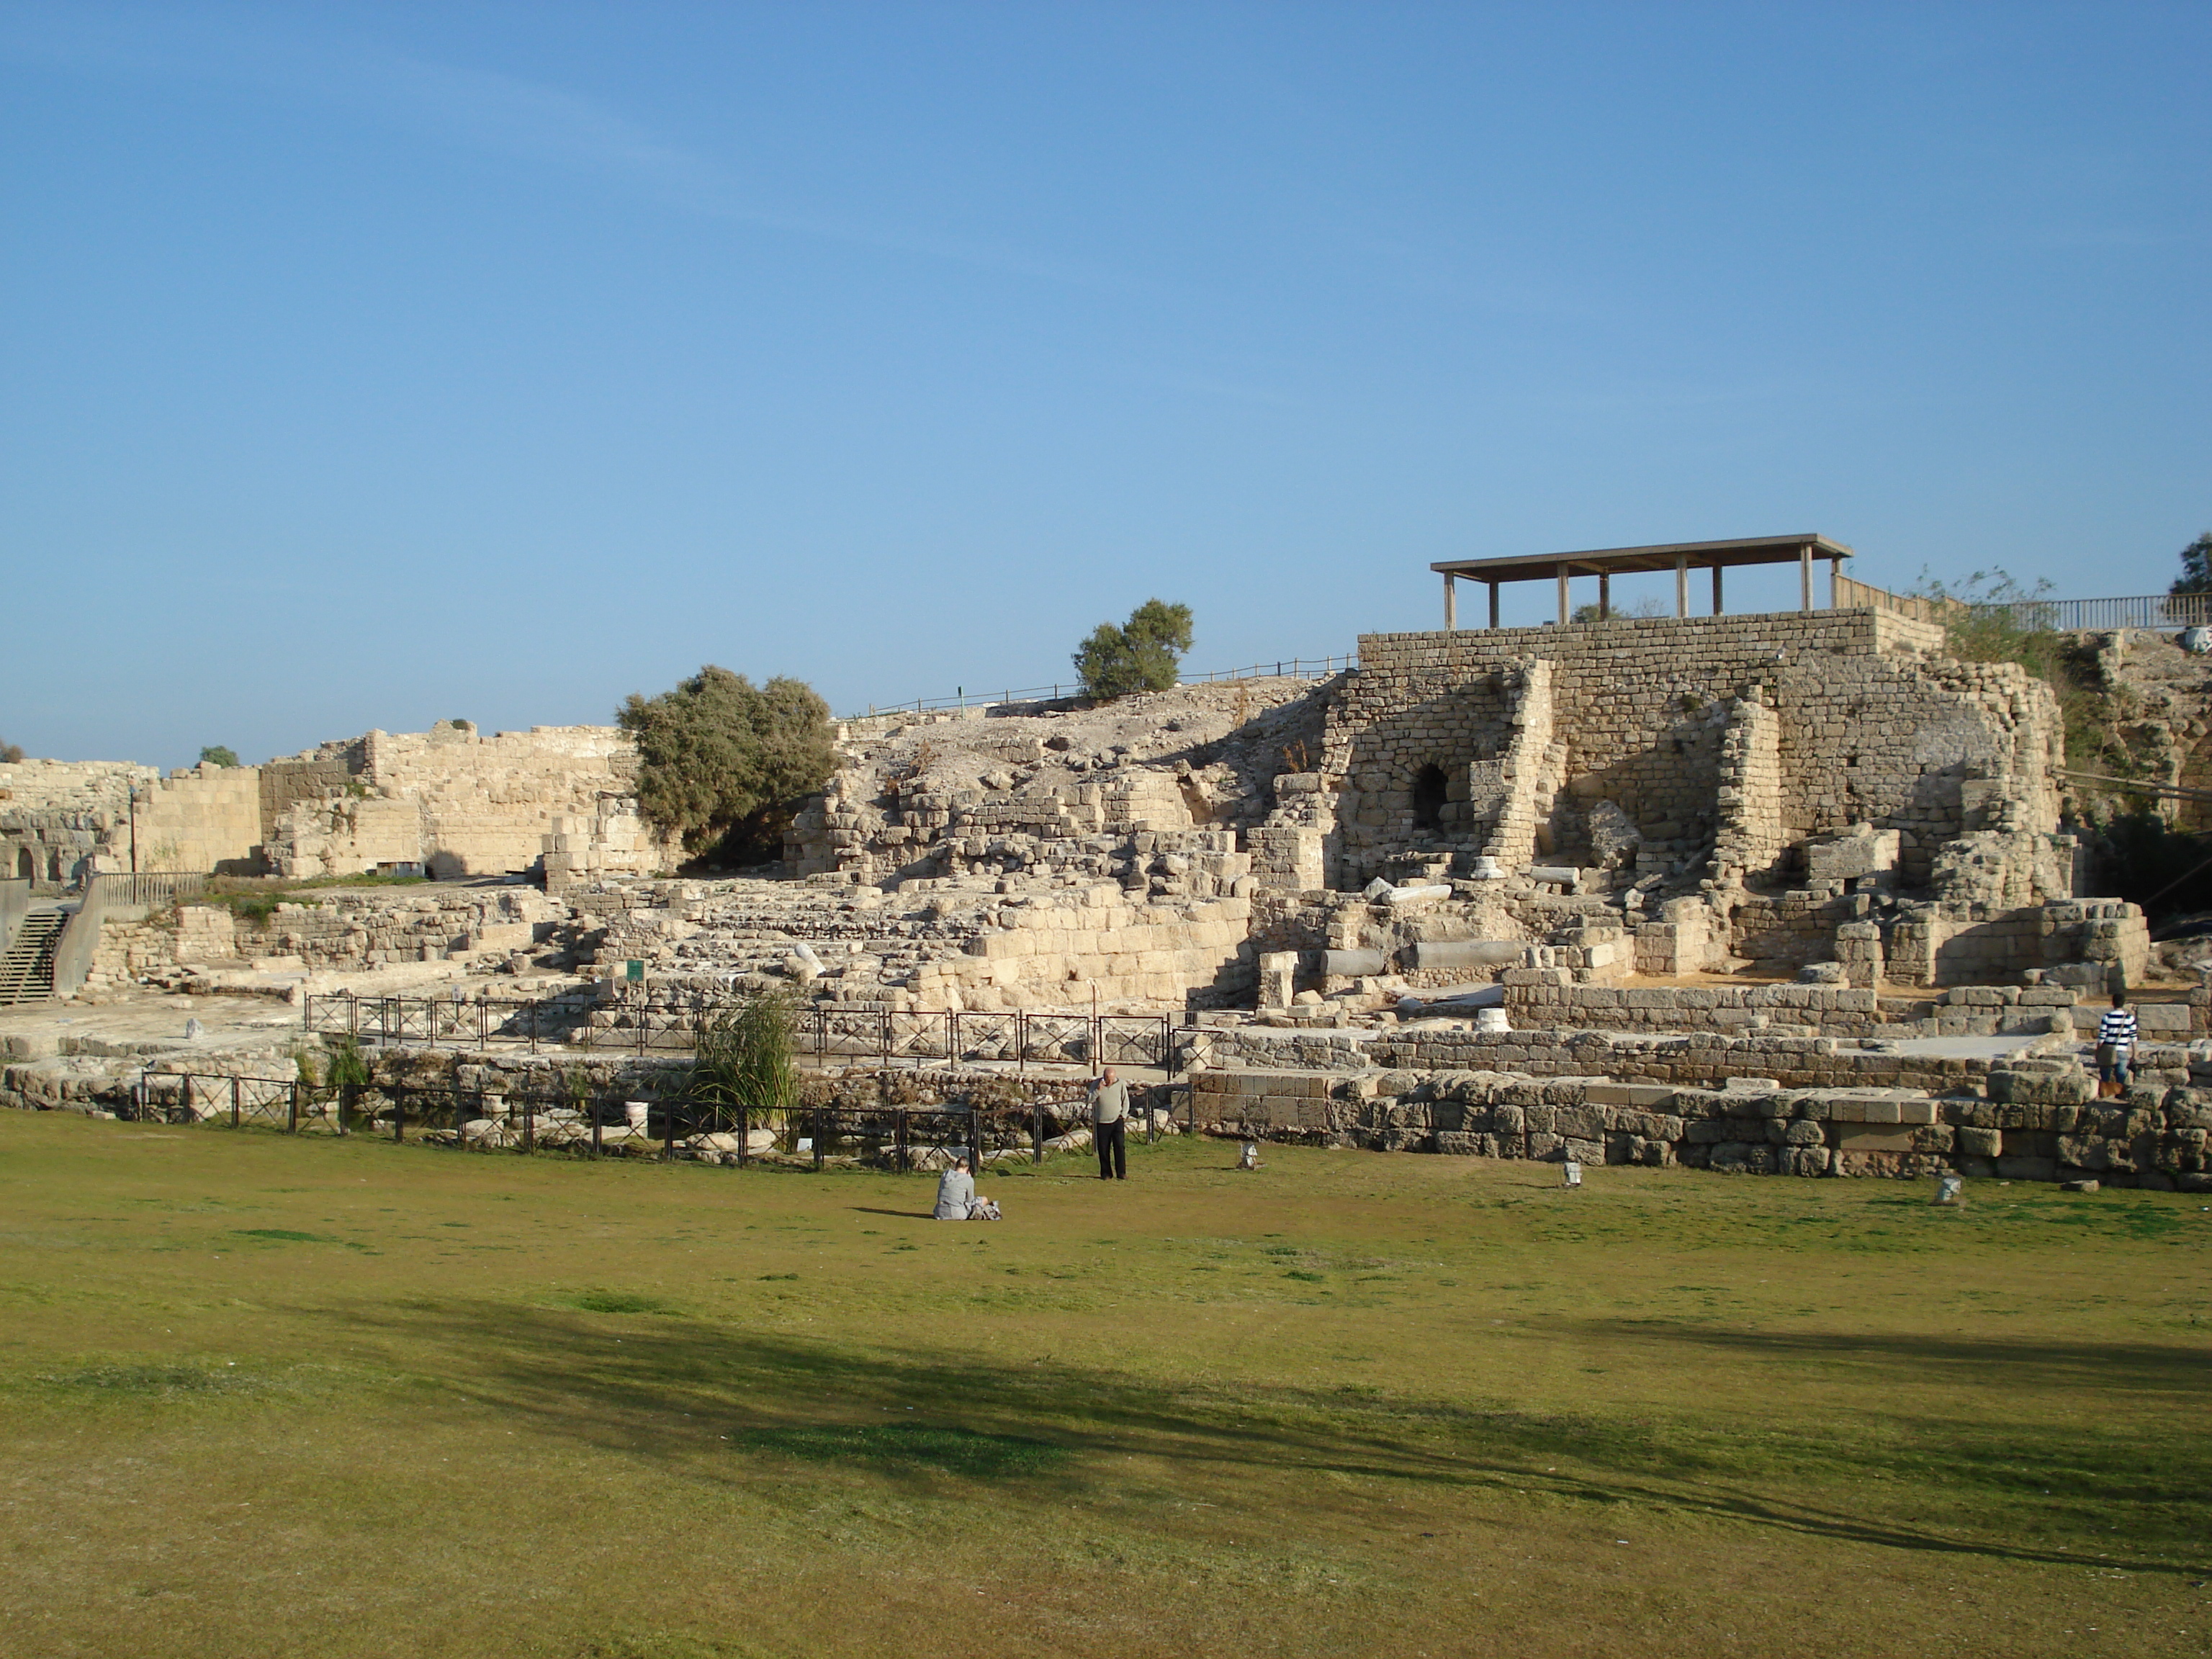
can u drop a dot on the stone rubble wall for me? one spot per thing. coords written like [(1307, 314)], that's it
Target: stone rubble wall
[(2027, 1120)]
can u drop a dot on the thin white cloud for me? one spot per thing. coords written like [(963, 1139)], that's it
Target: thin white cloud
[(488, 111)]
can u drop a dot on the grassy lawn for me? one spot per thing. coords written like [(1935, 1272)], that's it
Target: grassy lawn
[(274, 1397)]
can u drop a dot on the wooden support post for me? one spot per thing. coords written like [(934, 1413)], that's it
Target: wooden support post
[(818, 1136), (1805, 578), (398, 1113), (1493, 604), (1604, 595), (292, 1112), (1682, 585), (1452, 603), (1716, 590), (1835, 583), (1563, 596), (237, 1102)]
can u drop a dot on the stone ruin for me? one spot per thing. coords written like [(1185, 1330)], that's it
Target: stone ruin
[(1716, 890), (553, 802)]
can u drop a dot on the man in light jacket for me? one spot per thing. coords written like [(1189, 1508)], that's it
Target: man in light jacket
[(1109, 1114)]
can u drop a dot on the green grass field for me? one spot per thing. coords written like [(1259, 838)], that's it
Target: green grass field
[(274, 1397)]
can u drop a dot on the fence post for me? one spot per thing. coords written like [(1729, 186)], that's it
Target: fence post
[(817, 1135), (667, 1133), (237, 1094), (975, 1138), (292, 1111), (398, 1113), (745, 1136), (1036, 1132), (593, 1107), (530, 1123), (898, 1135)]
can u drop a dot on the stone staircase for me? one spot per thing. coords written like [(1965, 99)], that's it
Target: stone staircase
[(27, 972)]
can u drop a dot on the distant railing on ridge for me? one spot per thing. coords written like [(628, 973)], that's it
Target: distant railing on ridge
[(1303, 668), (2056, 615)]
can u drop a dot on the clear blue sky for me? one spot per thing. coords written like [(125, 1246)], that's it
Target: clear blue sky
[(367, 365)]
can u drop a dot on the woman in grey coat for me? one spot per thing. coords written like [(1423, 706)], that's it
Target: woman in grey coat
[(955, 1192)]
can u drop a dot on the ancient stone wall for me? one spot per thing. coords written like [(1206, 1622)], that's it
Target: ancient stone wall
[(451, 801), (1869, 726), (208, 818), (60, 818), (2025, 1120)]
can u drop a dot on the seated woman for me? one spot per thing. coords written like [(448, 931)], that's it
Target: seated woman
[(955, 1196)]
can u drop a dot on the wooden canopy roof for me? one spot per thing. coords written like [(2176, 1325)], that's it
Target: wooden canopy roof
[(1666, 555)]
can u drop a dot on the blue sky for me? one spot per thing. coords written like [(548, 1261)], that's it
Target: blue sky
[(368, 365)]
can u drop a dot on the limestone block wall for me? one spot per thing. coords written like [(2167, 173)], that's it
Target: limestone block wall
[(2024, 1120), (1529, 772), (452, 800), (346, 836), (372, 929), (1870, 725), (57, 815), (1751, 837), (1547, 999), (1931, 947), (208, 818), (1056, 954)]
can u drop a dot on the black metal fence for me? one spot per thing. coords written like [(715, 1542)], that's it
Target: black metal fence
[(899, 1137), (1152, 1041)]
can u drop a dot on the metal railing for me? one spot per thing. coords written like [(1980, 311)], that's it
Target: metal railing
[(1152, 1041), (1304, 668), (2052, 615), (586, 1125)]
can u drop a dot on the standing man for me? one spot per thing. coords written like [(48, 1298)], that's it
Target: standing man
[(1109, 1112), (2115, 1047)]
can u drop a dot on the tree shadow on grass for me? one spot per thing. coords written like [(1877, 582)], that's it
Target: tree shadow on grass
[(680, 1393), (2014, 1365)]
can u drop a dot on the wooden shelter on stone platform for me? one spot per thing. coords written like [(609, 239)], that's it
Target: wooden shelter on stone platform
[(1680, 558)]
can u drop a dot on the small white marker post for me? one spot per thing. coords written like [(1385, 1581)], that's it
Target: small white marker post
[(1573, 1176)]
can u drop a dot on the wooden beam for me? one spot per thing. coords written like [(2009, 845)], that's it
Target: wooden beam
[(1452, 603)]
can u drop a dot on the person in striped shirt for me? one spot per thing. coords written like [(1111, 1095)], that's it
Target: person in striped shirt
[(2115, 1047)]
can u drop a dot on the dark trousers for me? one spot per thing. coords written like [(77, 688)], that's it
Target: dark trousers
[(1113, 1149)]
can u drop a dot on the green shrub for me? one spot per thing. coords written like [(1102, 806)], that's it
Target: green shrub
[(218, 755), (1144, 654), (745, 1056), (722, 764)]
